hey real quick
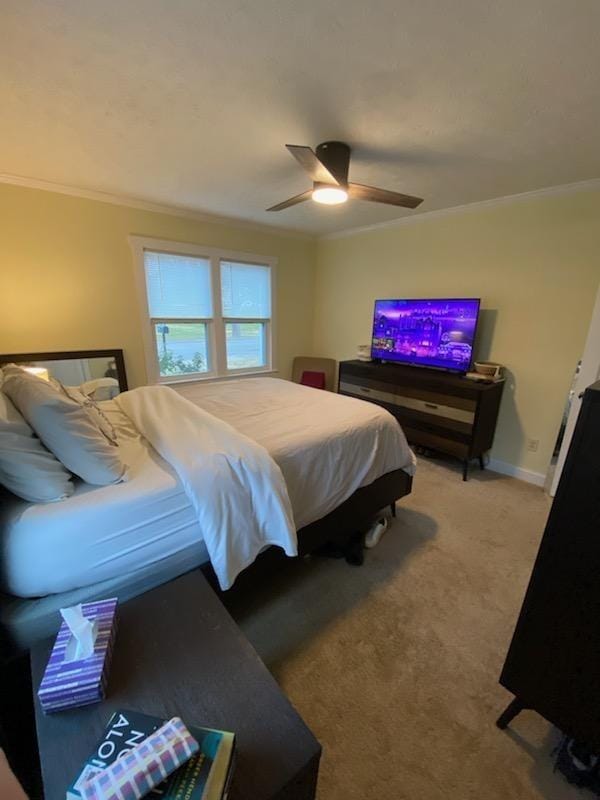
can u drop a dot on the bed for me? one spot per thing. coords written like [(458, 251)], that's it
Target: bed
[(338, 460)]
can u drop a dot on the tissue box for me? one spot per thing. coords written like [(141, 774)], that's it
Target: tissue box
[(79, 683)]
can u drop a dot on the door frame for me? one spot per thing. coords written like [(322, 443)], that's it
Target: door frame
[(588, 374)]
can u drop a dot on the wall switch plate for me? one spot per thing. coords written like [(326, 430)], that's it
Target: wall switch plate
[(532, 445)]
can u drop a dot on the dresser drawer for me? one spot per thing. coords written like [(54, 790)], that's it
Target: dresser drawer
[(416, 404), (437, 409), (358, 390)]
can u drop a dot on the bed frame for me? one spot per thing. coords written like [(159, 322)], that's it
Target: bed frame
[(343, 527), (354, 515)]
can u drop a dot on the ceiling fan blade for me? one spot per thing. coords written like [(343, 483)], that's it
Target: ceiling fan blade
[(299, 198), (360, 192), (309, 162)]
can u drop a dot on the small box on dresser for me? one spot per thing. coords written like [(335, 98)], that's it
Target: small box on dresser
[(67, 684)]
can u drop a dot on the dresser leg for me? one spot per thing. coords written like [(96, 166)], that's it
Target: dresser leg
[(465, 469), (481, 462), (510, 712), (17, 725), (393, 509)]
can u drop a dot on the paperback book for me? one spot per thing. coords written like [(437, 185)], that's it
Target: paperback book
[(206, 776)]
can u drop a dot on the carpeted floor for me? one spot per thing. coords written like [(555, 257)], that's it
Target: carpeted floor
[(394, 665)]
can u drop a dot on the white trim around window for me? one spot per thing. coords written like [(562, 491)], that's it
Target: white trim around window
[(215, 363)]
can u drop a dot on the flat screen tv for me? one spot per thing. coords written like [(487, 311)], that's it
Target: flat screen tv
[(436, 333)]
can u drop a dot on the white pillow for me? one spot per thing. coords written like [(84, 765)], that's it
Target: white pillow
[(27, 469), (67, 429), (99, 389), (12, 369), (100, 420)]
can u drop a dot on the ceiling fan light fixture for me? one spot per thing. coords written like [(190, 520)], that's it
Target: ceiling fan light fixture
[(330, 195), (328, 171)]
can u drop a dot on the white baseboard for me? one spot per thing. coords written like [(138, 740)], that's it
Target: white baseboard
[(537, 478)]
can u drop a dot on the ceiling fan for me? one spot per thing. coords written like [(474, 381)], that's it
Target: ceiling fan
[(328, 170)]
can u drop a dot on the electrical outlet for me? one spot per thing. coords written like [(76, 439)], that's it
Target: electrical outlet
[(532, 445)]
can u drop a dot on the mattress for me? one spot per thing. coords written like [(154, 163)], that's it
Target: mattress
[(25, 621), (100, 533), (326, 445)]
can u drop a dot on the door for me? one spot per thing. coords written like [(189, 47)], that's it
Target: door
[(589, 372)]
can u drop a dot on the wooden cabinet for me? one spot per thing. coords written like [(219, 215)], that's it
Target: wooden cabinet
[(437, 410), (553, 663)]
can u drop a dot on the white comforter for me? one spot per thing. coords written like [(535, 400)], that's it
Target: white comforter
[(327, 445), (237, 490)]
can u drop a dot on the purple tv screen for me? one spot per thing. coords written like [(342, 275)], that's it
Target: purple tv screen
[(427, 333)]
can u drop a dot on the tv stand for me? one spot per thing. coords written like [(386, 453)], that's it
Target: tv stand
[(437, 410)]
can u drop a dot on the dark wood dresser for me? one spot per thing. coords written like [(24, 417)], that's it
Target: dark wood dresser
[(437, 410), (553, 663), (179, 653)]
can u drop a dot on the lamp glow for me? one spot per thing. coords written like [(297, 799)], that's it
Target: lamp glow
[(330, 195), (39, 372)]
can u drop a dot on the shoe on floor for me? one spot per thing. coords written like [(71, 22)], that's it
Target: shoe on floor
[(375, 532)]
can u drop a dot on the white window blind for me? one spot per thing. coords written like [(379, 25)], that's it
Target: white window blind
[(178, 287), (245, 290), (209, 312)]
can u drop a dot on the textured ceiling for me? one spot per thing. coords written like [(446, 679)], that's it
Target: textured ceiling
[(190, 102)]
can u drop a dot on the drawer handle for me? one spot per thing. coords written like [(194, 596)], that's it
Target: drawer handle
[(365, 391), (430, 405)]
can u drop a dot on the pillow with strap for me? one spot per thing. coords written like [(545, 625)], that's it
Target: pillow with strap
[(67, 429), (100, 419), (27, 468)]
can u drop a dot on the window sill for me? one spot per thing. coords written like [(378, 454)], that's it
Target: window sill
[(214, 378)]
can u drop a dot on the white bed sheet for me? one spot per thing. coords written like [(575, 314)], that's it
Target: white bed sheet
[(99, 533), (327, 445)]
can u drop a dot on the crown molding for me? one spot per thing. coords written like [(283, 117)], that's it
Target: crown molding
[(186, 212), (148, 205), (565, 188)]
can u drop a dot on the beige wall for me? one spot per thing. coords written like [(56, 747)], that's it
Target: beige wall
[(536, 265), (67, 279), (67, 282)]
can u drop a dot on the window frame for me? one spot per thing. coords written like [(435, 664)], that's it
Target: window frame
[(215, 326)]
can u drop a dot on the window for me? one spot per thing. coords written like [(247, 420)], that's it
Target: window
[(180, 310), (209, 313), (246, 304)]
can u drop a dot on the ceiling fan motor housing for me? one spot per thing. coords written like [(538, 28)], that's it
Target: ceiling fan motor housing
[(336, 157)]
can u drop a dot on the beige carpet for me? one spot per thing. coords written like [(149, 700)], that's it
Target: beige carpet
[(394, 665)]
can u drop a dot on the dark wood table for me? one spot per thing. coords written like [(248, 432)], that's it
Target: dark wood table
[(178, 652)]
